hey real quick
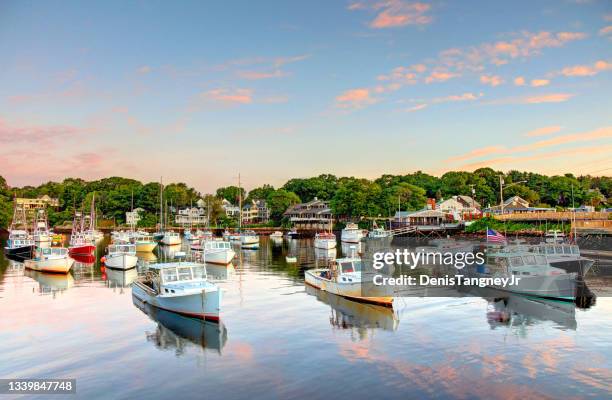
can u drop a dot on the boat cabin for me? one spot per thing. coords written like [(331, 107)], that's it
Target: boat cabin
[(517, 263), (217, 245), (51, 252), (174, 278), (121, 249)]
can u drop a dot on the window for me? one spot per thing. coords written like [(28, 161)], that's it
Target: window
[(198, 272), (550, 250), (575, 250), (346, 266), (530, 260), (559, 249), (541, 260), (516, 261), (357, 266), (169, 275), (567, 250), (184, 274)]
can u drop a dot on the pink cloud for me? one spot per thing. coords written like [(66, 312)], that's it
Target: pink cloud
[(483, 151), (35, 134), (468, 96), (229, 96), (539, 82), (440, 76), (355, 98), (395, 13), (548, 98), (257, 75), (545, 131), (492, 80), (586, 70), (418, 107), (145, 69), (519, 81), (606, 30)]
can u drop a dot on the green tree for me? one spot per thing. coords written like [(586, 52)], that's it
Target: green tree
[(279, 201), (231, 194)]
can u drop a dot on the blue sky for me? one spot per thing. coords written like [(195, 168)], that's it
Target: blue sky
[(200, 91)]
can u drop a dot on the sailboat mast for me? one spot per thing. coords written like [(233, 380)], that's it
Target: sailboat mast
[(239, 204)]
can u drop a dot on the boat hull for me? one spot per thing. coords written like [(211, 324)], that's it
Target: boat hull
[(556, 287), (120, 261), (145, 246), (325, 244), (82, 250), (204, 305), (54, 265), (352, 236), (22, 251), (171, 240), (580, 266), (351, 290), (221, 257)]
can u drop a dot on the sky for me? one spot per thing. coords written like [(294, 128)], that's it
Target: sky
[(200, 92)]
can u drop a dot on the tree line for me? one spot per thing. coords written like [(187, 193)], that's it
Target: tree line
[(349, 197)]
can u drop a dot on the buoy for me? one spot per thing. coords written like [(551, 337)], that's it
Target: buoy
[(103, 259)]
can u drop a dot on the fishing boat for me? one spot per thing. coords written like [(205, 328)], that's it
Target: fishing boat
[(325, 240), (291, 259), (234, 237), (41, 233), (249, 240), (537, 277), (121, 256), (344, 278), (180, 287), (144, 242), (50, 259), (217, 251), (293, 234), (19, 243), (565, 256), (379, 233), (276, 235), (189, 236), (89, 223), (79, 243), (171, 238), (351, 233)]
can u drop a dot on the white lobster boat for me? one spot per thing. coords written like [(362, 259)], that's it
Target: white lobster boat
[(41, 233), (171, 238), (180, 287), (218, 251), (325, 240), (144, 242), (249, 240), (50, 259), (344, 278), (121, 256), (351, 233)]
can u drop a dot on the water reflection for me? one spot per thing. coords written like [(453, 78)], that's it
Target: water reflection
[(50, 284), (179, 333), (120, 278), (348, 314)]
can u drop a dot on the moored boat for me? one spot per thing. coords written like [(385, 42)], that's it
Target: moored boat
[(19, 243), (144, 242), (249, 240), (171, 238), (41, 229), (276, 235), (351, 233), (325, 240), (180, 287), (344, 278), (50, 259), (121, 256), (218, 251)]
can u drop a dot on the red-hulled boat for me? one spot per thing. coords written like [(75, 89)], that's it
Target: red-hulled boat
[(79, 243)]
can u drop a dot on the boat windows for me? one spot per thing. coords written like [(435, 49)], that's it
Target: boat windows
[(357, 265), (550, 250), (346, 266), (529, 260), (516, 261), (169, 275), (575, 250), (541, 260), (184, 274), (559, 249), (198, 273), (567, 250)]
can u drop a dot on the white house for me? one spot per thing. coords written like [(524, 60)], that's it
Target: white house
[(230, 209), (132, 217)]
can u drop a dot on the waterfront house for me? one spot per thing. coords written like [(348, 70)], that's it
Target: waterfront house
[(255, 212), (315, 214), (191, 216), (132, 217), (35, 204), (231, 210), (425, 220), (516, 204), (462, 207)]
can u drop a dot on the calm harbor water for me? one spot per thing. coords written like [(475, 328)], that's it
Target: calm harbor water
[(280, 339)]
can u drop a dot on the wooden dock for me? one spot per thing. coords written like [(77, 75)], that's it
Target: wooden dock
[(555, 216)]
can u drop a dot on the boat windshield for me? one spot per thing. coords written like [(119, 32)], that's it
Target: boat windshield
[(184, 273), (169, 275), (350, 266)]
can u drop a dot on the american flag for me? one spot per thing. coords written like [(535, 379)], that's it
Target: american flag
[(494, 236)]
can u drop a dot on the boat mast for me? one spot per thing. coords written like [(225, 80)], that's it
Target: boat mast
[(239, 204), (161, 204)]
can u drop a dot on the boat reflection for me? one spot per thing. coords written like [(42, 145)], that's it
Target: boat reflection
[(120, 278), (348, 314), (220, 272), (351, 249), (147, 256), (85, 259), (520, 312), (167, 252), (50, 284), (179, 333)]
